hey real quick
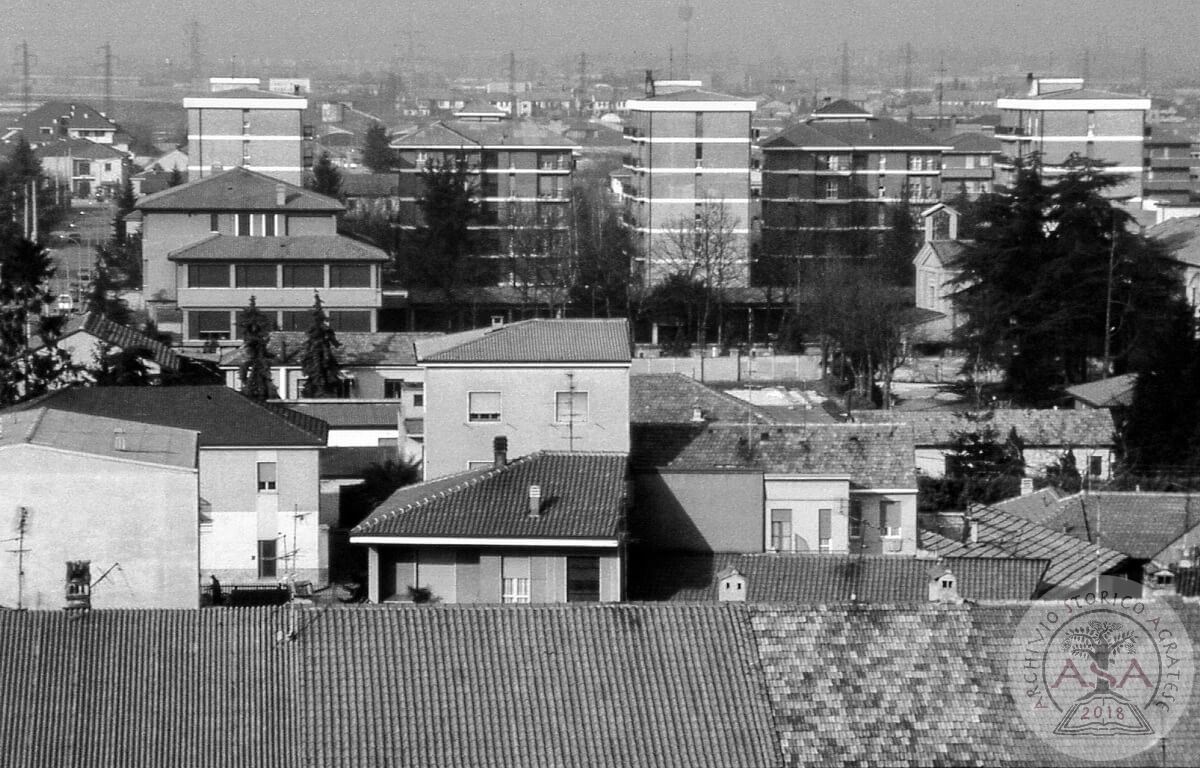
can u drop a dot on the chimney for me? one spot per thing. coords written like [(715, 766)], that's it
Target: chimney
[(280, 195), (499, 451), (1026, 486), (119, 439), (970, 531), (535, 501), (697, 413), (1031, 83)]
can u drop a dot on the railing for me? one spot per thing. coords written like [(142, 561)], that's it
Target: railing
[(243, 595)]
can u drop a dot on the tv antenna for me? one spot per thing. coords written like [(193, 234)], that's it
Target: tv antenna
[(22, 527)]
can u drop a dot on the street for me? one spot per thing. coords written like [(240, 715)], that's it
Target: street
[(92, 222)]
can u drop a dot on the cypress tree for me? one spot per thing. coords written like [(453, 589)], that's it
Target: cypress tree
[(255, 370), (318, 362)]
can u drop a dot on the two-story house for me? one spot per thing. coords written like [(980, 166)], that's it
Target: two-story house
[(543, 384), (211, 244), (83, 166), (258, 475)]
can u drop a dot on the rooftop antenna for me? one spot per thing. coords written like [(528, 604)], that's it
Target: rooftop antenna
[(195, 57), (22, 528), (1144, 69), (685, 15), (941, 73)]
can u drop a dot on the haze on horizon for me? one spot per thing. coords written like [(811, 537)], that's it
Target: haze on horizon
[(626, 34)]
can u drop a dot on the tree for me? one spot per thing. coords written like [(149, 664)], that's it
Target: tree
[(377, 154), (706, 250), (326, 179), (255, 370), (899, 245), (126, 203), (982, 467), (25, 269), (121, 262), (1055, 278), (539, 257), (605, 284), (19, 174), (175, 177), (318, 362), (676, 302)]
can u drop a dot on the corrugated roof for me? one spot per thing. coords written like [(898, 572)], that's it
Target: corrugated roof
[(534, 341), (583, 496), (100, 436), (870, 455), (1140, 525), (356, 348), (671, 398), (1035, 427), (237, 189), (292, 248), (223, 417), (815, 579)]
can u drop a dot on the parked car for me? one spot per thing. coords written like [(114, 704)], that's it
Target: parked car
[(64, 237)]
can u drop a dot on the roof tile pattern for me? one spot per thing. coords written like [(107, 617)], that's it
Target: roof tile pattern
[(97, 435), (122, 336), (292, 248), (583, 496), (1115, 391), (237, 189), (1138, 524), (670, 398), (871, 455), (1035, 427), (536, 341)]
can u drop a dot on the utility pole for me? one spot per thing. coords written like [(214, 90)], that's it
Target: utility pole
[(941, 72), (512, 83), (845, 70), (195, 57), (685, 15), (22, 526), (108, 79), (26, 83), (908, 62), (582, 82)]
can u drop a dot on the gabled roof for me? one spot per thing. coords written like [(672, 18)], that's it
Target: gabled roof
[(453, 134), (1082, 94), (583, 496), (941, 253), (98, 435), (973, 142), (352, 413), (357, 349), (1002, 534), (671, 398), (79, 148), (1180, 237), (1140, 525), (816, 579), (533, 341), (848, 134), (246, 93), (841, 107), (122, 336), (218, 247), (223, 417), (869, 455), (79, 116), (1113, 392), (237, 189), (1035, 427), (1037, 507)]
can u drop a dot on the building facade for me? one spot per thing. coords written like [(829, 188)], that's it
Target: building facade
[(244, 127), (690, 180), (969, 166)]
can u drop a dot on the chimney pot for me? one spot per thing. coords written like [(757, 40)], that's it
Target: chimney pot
[(280, 195), (499, 451), (119, 439), (535, 501)]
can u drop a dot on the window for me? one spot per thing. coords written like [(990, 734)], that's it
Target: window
[(781, 530), (266, 558), (243, 225), (985, 161), (269, 225), (514, 579), (83, 168), (969, 162), (856, 519), (889, 524), (350, 276), (831, 189), (419, 394), (483, 406), (214, 222), (824, 529), (295, 320), (303, 276), (254, 275), (266, 476), (350, 321), (583, 579), (882, 163), (1096, 465), (108, 167), (570, 407), (209, 325), (393, 389), (208, 275)]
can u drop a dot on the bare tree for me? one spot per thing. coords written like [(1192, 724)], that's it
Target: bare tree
[(540, 266), (707, 250)]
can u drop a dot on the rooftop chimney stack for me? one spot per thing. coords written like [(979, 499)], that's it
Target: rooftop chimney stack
[(535, 501), (499, 451), (119, 439), (1026, 486), (280, 195)]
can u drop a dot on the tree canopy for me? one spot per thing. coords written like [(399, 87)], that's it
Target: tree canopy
[(318, 361), (377, 154), (25, 268), (255, 370), (326, 179)]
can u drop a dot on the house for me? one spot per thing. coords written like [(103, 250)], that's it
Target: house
[(1045, 435), (211, 244), (90, 336), (1167, 175), (828, 180), (544, 528), (744, 488), (934, 262), (1180, 237), (118, 496), (56, 120), (261, 131), (690, 149), (85, 167), (371, 193), (674, 398), (665, 685), (808, 579), (543, 384), (258, 474)]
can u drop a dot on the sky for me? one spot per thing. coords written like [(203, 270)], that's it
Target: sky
[(1020, 34)]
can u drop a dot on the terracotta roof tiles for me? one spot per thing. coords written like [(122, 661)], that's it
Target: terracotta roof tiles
[(292, 248), (671, 398), (238, 189), (534, 341), (1035, 427)]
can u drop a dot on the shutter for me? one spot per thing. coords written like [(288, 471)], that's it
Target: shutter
[(826, 524)]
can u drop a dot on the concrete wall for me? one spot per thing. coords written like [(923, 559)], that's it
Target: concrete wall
[(803, 500), (527, 412), (142, 516), (698, 512)]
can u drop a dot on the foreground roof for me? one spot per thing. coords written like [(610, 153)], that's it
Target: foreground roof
[(237, 189), (1035, 427), (870, 455), (98, 436), (672, 398), (846, 134), (222, 416), (292, 248), (533, 341), (583, 496), (815, 579), (1140, 525), (653, 685)]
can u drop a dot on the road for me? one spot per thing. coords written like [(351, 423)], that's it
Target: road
[(92, 221)]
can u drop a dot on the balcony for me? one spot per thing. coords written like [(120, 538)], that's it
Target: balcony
[(631, 132), (1010, 130), (633, 162)]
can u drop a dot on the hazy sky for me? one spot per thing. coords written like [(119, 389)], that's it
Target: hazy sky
[(636, 31)]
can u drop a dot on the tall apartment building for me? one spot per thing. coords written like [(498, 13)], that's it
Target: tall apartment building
[(245, 127), (1059, 116), (690, 164), (829, 180), (521, 170), (1167, 167)]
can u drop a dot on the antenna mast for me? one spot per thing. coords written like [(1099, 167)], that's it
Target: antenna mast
[(22, 526)]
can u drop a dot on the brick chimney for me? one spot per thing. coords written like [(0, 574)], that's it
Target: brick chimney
[(280, 195), (499, 451), (535, 501), (119, 439)]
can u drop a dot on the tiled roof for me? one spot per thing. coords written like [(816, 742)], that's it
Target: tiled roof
[(1113, 392), (79, 117), (693, 94), (1001, 534), (973, 142), (583, 496), (292, 248), (841, 107), (670, 398), (1040, 427), (82, 149), (351, 413), (534, 341), (1139, 525), (453, 134), (122, 336), (245, 93), (97, 435), (946, 250), (237, 189), (871, 455), (1037, 507), (1084, 93), (873, 132), (223, 417), (356, 348), (1180, 237), (814, 579)]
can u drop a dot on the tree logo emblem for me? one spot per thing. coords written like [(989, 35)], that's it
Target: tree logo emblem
[(1101, 673)]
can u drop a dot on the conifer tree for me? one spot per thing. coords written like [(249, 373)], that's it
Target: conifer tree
[(377, 155), (326, 178), (255, 370), (25, 268), (318, 362)]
